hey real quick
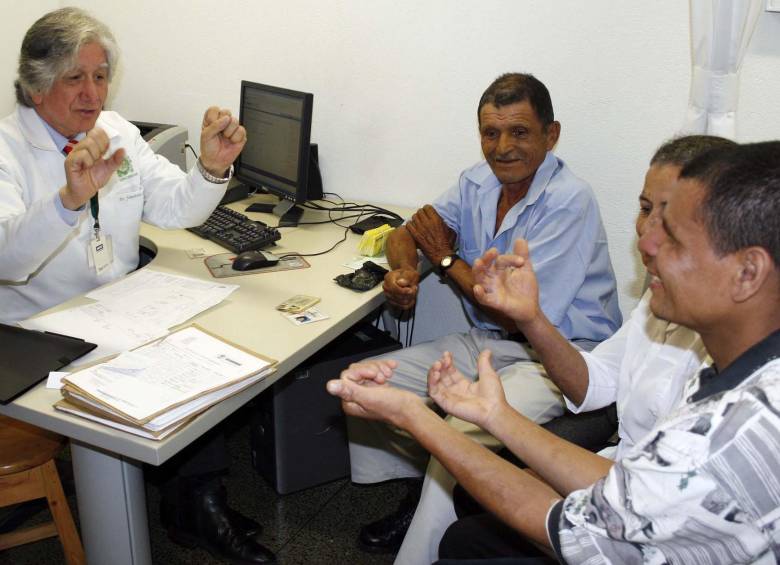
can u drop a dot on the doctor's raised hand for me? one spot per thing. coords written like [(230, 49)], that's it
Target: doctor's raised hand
[(86, 169), (221, 140)]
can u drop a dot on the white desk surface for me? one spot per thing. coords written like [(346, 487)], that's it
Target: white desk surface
[(247, 318)]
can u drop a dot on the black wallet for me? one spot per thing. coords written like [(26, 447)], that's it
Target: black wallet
[(372, 222)]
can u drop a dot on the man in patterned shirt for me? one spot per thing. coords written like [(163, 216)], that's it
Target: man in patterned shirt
[(704, 485)]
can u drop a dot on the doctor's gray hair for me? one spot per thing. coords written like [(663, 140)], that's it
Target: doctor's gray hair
[(51, 46)]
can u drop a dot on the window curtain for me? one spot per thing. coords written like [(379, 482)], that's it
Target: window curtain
[(720, 34)]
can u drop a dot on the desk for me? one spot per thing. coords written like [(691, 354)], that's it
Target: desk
[(107, 462)]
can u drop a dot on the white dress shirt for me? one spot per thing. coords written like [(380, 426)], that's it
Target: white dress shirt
[(643, 367)]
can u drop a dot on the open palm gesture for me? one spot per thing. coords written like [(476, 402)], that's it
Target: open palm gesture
[(507, 283)]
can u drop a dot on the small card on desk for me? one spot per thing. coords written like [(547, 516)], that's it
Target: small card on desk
[(305, 317), (297, 303)]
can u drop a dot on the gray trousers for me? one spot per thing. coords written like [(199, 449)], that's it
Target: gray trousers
[(379, 452)]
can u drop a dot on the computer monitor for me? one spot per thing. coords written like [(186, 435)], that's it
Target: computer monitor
[(278, 155)]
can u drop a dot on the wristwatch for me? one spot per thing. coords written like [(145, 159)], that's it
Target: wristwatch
[(211, 178), (446, 262)]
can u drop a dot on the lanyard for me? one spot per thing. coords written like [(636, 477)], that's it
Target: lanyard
[(94, 205), (94, 208)]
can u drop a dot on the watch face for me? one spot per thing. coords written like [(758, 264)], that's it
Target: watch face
[(446, 262)]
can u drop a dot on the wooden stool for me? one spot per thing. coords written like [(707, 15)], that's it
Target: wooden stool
[(27, 472)]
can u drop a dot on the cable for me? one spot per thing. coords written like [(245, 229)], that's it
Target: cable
[(354, 210), (413, 318), (408, 334), (336, 207), (332, 247), (343, 206), (191, 148)]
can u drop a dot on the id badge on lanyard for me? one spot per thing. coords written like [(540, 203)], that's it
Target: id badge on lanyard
[(101, 251)]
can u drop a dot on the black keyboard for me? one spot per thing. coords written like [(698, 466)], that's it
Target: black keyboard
[(233, 230)]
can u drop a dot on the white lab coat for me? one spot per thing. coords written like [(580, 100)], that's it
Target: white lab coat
[(43, 260)]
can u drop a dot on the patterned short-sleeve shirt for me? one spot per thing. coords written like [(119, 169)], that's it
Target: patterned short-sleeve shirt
[(702, 488)]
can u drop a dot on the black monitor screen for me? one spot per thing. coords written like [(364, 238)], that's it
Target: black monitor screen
[(278, 127)]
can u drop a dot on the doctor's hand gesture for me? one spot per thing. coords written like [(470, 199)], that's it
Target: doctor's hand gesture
[(221, 140), (507, 283), (86, 171)]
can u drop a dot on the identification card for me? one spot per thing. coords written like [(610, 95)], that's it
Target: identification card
[(305, 317), (101, 252), (297, 303)]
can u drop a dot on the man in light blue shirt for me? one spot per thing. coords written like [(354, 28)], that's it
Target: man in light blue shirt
[(560, 218), (521, 190)]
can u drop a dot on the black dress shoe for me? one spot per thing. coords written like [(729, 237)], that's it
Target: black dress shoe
[(203, 519), (386, 534), (244, 523), (169, 509)]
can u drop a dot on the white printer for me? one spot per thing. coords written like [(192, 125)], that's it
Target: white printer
[(166, 140)]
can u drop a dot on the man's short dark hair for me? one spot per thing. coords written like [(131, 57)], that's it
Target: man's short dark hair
[(680, 151), (742, 205), (510, 88)]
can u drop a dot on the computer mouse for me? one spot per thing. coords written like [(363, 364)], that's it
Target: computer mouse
[(250, 260)]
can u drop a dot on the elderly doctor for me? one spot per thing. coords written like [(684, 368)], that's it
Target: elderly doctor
[(75, 183), (47, 224)]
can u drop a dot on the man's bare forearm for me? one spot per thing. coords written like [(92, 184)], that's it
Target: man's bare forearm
[(401, 250), (563, 363), (551, 457), (513, 495), (402, 254)]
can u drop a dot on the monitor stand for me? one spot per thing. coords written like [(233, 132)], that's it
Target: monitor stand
[(289, 214)]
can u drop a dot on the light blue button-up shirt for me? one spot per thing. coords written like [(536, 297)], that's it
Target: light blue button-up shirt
[(560, 219)]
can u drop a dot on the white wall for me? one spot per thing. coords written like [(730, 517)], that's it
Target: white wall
[(396, 82), (16, 18)]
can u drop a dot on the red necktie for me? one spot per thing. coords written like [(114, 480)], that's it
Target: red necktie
[(69, 146)]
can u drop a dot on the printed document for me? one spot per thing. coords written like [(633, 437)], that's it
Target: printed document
[(132, 311), (142, 384)]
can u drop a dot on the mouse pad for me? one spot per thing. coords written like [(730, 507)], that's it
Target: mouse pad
[(221, 266)]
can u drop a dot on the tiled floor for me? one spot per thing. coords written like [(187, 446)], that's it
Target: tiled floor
[(315, 526)]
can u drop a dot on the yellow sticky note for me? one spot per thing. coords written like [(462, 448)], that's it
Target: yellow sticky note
[(374, 241)]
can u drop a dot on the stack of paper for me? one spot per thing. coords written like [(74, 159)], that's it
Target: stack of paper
[(139, 308), (154, 390)]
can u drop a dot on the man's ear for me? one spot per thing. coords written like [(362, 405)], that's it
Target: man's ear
[(754, 266), (36, 98), (553, 133)]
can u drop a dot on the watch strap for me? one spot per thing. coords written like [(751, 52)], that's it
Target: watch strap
[(443, 269), (211, 178)]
